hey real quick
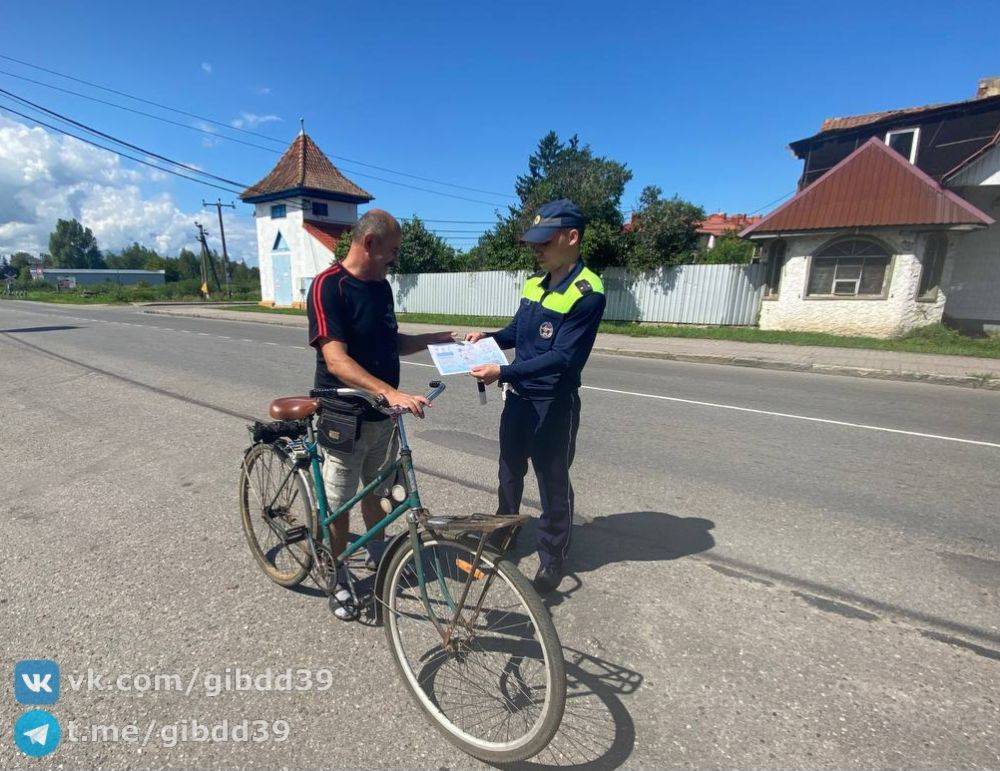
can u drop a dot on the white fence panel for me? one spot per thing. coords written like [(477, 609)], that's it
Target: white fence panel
[(687, 294)]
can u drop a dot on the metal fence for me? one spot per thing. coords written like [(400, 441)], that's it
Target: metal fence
[(688, 294)]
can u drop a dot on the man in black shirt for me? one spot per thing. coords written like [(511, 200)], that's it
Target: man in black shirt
[(352, 326)]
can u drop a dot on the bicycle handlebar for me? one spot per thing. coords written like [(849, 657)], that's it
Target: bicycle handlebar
[(378, 402)]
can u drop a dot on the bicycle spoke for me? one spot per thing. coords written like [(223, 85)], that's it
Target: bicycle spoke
[(491, 681)]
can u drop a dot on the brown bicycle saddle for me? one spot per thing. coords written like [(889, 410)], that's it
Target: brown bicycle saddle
[(293, 407)]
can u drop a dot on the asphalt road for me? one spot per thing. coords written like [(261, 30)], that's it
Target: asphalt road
[(770, 568)]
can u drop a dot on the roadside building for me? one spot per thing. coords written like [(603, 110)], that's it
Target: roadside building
[(70, 278), (718, 224), (301, 208), (894, 223)]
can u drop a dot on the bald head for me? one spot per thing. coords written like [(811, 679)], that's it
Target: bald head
[(375, 240), (376, 222)]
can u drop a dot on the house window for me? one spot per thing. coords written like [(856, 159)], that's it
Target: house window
[(935, 250), (278, 211), (855, 268), (320, 209), (775, 263), (904, 142)]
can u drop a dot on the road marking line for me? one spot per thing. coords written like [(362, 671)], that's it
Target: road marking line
[(828, 421), (418, 364)]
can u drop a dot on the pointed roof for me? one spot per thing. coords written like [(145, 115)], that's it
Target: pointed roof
[(305, 170), (872, 187), (327, 233)]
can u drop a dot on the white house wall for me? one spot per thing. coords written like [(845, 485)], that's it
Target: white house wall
[(898, 312), (985, 170), (974, 284), (309, 257)]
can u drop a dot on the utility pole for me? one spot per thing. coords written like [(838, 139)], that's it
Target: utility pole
[(206, 262), (222, 234)]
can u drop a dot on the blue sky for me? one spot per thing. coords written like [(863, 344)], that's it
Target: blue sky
[(698, 99)]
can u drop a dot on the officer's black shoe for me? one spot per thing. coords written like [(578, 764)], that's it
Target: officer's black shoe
[(547, 578)]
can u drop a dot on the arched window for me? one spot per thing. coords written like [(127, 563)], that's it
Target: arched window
[(852, 268), (935, 249)]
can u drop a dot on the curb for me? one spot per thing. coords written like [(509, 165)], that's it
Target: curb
[(962, 381), (277, 318)]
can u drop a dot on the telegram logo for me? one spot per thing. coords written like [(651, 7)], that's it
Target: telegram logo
[(36, 681), (37, 733)]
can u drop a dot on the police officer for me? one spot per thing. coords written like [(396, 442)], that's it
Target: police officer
[(552, 334)]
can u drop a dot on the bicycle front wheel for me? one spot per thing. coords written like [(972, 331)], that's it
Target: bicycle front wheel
[(497, 690)]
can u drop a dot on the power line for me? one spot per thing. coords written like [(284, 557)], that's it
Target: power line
[(109, 137), (140, 99), (134, 111), (123, 143), (230, 127), (116, 152)]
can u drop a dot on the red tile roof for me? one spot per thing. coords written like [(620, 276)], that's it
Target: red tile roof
[(305, 167), (852, 121), (327, 233), (720, 223), (846, 123), (872, 187)]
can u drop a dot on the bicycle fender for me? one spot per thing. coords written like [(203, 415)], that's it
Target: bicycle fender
[(395, 545)]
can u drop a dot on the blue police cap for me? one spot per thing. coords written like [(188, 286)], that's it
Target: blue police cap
[(551, 218)]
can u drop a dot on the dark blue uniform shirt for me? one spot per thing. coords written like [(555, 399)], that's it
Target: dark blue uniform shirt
[(546, 365)]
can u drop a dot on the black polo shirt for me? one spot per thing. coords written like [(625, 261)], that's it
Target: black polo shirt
[(360, 314)]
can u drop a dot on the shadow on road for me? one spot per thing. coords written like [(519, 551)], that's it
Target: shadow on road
[(22, 330), (633, 536), (597, 731)]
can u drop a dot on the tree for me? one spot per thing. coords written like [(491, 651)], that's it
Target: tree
[(20, 260), (136, 257), (73, 246), (729, 248), (188, 264), (560, 169), (665, 232), (421, 251)]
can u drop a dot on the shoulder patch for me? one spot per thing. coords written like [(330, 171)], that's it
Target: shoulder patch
[(584, 286)]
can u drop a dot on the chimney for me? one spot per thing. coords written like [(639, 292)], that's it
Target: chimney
[(988, 87)]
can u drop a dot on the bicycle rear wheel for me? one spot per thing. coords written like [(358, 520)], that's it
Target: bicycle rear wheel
[(498, 690), (274, 503)]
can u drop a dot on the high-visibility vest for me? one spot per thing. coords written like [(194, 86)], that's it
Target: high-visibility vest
[(562, 302)]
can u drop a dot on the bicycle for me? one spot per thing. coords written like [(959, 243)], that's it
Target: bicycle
[(467, 631)]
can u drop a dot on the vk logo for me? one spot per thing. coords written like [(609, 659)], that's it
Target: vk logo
[(36, 681), (37, 733)]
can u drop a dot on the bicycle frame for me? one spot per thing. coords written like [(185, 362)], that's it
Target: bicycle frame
[(412, 502)]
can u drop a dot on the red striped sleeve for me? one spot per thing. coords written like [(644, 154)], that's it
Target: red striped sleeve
[(317, 301)]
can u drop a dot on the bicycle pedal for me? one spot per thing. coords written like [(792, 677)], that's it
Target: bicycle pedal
[(295, 534)]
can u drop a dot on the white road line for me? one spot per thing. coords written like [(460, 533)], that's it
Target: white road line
[(418, 364), (797, 417)]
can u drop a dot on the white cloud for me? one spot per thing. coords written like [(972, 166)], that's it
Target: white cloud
[(263, 90), (253, 120), (207, 67), (45, 177)]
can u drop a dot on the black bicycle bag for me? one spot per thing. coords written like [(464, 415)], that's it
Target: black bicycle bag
[(338, 426)]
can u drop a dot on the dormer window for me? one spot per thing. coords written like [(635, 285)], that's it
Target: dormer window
[(278, 211), (904, 142)]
